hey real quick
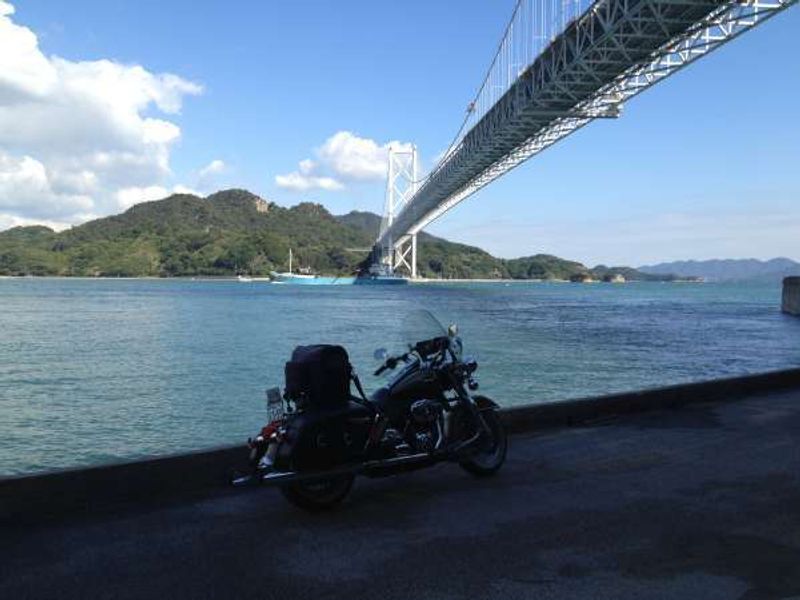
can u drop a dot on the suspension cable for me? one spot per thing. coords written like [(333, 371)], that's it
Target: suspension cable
[(471, 106)]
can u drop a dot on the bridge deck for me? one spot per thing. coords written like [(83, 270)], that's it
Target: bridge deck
[(612, 52), (610, 38), (701, 502)]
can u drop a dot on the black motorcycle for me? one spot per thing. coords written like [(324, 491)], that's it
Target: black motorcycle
[(320, 436)]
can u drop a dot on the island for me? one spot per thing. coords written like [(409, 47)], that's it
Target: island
[(235, 232)]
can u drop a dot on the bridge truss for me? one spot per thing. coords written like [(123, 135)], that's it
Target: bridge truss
[(559, 67)]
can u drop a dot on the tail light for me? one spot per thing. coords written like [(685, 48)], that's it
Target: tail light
[(268, 432), (265, 445)]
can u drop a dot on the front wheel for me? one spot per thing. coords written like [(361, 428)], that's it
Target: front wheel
[(318, 495), (490, 455)]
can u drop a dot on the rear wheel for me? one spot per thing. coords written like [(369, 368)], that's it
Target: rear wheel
[(320, 494), (490, 455)]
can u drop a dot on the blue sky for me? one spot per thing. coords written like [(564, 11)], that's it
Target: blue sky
[(703, 165)]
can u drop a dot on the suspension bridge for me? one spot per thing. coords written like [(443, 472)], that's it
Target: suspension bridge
[(560, 65)]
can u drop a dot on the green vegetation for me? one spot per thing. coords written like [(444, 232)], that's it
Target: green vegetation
[(543, 266), (439, 258), (226, 233), (604, 273), (234, 231)]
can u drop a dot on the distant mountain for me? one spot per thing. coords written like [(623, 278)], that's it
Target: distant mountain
[(729, 269), (235, 231), (454, 260)]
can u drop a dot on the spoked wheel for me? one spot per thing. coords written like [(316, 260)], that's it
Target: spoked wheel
[(489, 457), (321, 494)]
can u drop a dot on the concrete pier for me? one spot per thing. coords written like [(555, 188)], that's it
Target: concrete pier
[(791, 296), (185, 477), (697, 502)]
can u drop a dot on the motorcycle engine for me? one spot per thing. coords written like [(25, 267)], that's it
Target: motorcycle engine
[(426, 418), (425, 412)]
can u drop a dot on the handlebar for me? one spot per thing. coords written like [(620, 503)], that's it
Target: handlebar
[(390, 363), (423, 349)]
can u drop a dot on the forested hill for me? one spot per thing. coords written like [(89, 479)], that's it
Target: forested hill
[(748, 269), (234, 231)]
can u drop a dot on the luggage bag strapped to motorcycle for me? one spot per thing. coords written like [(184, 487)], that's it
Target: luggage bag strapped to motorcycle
[(319, 376)]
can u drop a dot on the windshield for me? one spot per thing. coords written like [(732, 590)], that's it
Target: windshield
[(420, 325)]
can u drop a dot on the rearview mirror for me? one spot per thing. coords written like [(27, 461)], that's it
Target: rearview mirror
[(381, 354)]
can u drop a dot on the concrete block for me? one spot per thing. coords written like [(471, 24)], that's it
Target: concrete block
[(791, 296)]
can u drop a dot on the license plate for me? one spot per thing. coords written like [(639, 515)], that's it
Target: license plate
[(275, 407)]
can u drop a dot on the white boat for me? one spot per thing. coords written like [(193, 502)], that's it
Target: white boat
[(289, 277), (244, 279), (378, 275)]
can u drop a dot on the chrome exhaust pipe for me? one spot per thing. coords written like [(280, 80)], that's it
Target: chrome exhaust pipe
[(279, 477), (282, 477), (398, 460), (243, 480)]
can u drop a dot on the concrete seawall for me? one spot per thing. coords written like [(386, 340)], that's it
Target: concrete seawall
[(791, 296), (189, 476)]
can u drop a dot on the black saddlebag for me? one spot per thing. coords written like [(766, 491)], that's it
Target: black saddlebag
[(325, 437), (319, 376)]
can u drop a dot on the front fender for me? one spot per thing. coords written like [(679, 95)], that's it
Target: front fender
[(485, 403)]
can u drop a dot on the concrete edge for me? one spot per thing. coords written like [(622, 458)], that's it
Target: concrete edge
[(186, 476), (582, 410)]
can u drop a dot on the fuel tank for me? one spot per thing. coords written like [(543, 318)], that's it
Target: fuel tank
[(412, 383)]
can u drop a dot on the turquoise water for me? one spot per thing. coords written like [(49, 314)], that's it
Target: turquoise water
[(93, 371)]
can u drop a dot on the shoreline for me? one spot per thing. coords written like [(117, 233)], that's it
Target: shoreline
[(418, 281)]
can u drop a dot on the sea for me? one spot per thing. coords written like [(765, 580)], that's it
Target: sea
[(96, 371)]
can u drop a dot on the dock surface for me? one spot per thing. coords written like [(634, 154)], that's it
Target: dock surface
[(700, 502)]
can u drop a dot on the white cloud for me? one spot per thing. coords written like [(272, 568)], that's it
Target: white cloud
[(299, 182), (342, 157), (207, 178), (127, 197), (214, 167), (26, 189), (185, 189), (307, 166), (8, 221), (74, 135), (304, 179), (357, 158)]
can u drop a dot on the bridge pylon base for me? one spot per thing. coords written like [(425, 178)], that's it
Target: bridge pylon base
[(404, 255)]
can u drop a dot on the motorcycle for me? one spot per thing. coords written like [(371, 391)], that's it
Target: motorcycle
[(320, 436)]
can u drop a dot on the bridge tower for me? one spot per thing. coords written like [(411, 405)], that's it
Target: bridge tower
[(401, 184)]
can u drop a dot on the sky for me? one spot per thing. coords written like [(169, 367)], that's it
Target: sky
[(106, 103)]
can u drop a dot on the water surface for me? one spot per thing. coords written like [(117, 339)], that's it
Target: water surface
[(93, 371)]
